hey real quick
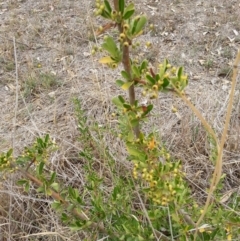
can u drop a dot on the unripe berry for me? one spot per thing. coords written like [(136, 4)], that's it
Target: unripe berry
[(125, 27), (122, 36), (148, 44), (151, 26), (153, 96), (114, 65), (169, 66), (155, 87)]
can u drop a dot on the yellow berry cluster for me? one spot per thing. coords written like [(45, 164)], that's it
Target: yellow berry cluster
[(163, 178), (99, 7), (6, 163), (170, 76)]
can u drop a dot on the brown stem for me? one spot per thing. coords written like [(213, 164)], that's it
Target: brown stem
[(56, 196), (127, 67)]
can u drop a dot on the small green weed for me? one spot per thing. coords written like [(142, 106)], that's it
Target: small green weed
[(153, 200), (38, 82)]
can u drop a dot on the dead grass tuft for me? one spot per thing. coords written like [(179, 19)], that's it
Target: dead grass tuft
[(54, 41)]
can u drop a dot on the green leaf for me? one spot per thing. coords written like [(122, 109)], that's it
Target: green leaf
[(134, 122), (49, 192), (70, 207), (135, 152), (110, 46), (136, 71), (75, 228), (116, 101), (40, 168), (128, 11), (108, 7), (140, 24), (134, 25), (127, 106), (119, 82), (52, 177), (9, 153), (55, 186), (22, 182), (150, 79), (40, 142), (79, 200), (130, 7), (121, 4), (127, 85), (165, 83), (106, 14), (130, 137), (144, 65), (179, 73), (121, 99), (71, 192), (27, 187), (125, 75), (149, 108), (116, 191), (128, 14), (41, 189), (46, 138), (64, 217), (56, 205), (162, 69)]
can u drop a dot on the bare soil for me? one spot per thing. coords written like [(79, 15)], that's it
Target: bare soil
[(53, 42)]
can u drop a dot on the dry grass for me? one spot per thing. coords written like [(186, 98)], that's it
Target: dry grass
[(55, 39)]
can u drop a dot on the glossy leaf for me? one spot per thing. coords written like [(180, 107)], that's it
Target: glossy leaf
[(128, 14), (121, 4), (165, 83), (130, 7), (107, 5), (150, 79)]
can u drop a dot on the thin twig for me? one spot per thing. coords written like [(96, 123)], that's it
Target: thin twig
[(14, 127), (218, 167)]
